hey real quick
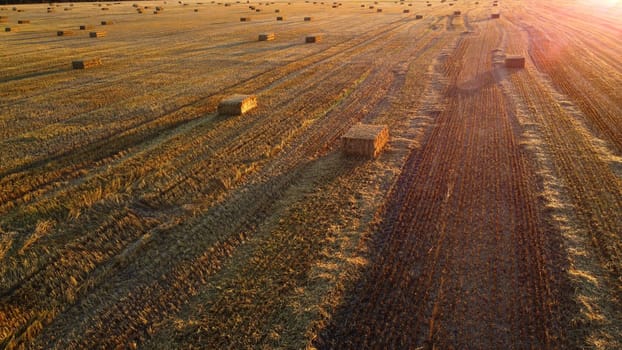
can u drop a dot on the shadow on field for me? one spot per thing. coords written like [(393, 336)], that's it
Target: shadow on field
[(36, 74), (481, 81)]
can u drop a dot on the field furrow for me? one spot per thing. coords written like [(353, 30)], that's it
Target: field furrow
[(461, 277)]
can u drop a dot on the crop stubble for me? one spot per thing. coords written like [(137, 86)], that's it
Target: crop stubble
[(137, 216)]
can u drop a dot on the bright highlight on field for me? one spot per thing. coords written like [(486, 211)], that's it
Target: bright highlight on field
[(302, 174)]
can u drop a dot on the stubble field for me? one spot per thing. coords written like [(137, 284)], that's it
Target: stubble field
[(132, 215)]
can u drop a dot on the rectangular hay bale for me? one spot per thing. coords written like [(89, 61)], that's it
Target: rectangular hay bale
[(97, 34), (85, 27), (315, 38), (495, 15), (64, 33), (365, 140), (307, 19), (84, 64), (23, 21), (266, 36), (514, 61), (237, 104)]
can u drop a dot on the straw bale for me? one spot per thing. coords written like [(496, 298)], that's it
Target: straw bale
[(237, 104), (84, 64), (266, 36), (514, 61), (315, 38), (98, 34), (365, 140)]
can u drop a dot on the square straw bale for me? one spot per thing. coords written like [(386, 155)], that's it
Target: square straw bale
[(365, 140), (237, 104)]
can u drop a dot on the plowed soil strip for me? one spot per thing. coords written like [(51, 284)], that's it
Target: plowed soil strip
[(464, 257)]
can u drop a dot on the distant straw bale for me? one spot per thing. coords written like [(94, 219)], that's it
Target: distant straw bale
[(266, 36), (315, 38)]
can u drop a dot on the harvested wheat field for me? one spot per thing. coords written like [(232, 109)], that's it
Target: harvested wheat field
[(134, 215)]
